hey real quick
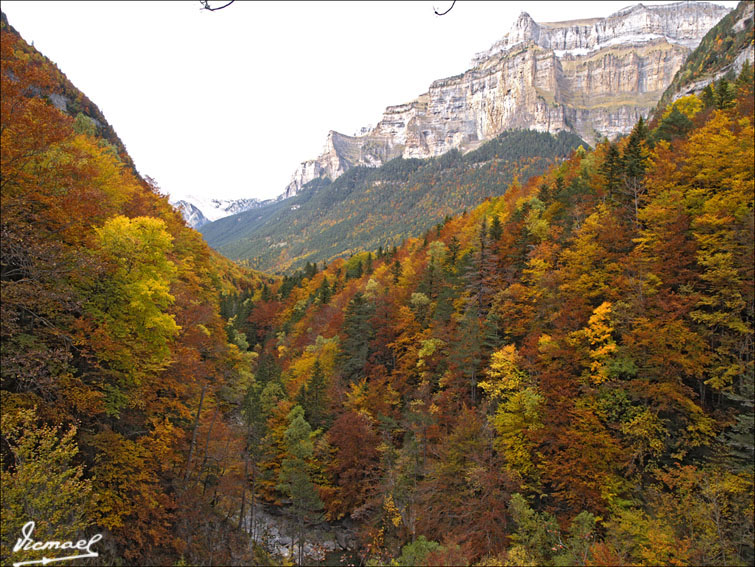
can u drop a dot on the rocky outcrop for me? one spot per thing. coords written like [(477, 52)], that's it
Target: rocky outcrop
[(272, 529), (340, 153), (592, 77)]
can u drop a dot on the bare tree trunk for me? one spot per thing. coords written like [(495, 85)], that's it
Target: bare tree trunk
[(222, 473), (301, 539), (194, 434), (474, 385), (207, 443), (243, 490), (253, 504)]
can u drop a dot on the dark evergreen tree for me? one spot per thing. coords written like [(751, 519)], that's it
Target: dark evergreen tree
[(296, 476), (310, 269), (357, 335), (396, 270), (635, 162), (466, 353), (480, 275), (254, 416), (496, 229), (744, 83), (287, 286), (265, 295), (560, 186), (675, 125), (611, 169), (724, 95), (368, 264), (545, 192), (324, 292), (312, 398), (268, 370), (453, 247), (708, 96)]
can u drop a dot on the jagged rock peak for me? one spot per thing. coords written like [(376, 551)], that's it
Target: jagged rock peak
[(191, 214), (681, 23), (329, 164), (525, 25)]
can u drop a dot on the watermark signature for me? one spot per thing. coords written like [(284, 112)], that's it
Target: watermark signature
[(28, 544)]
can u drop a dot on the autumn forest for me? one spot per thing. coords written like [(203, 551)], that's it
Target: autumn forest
[(561, 375)]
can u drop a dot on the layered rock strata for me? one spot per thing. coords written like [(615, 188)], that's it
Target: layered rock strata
[(593, 77)]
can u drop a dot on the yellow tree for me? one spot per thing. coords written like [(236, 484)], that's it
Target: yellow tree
[(130, 303), (721, 173), (518, 411), (41, 483), (599, 342)]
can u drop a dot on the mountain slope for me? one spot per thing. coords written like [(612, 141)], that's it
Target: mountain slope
[(562, 376), (368, 208), (70, 100), (113, 344), (724, 48), (590, 77)]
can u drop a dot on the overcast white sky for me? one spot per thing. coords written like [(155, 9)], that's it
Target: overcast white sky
[(227, 104)]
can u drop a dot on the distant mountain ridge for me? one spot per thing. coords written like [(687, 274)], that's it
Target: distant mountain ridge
[(592, 77), (198, 211)]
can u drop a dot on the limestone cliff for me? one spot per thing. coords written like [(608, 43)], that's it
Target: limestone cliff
[(342, 152), (593, 77)]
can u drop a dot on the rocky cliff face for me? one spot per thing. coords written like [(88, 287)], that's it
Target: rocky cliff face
[(340, 153), (593, 77)]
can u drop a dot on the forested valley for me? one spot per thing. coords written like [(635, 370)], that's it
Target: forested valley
[(372, 208), (562, 375)]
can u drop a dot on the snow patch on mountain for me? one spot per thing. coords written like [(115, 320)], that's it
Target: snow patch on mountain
[(198, 211)]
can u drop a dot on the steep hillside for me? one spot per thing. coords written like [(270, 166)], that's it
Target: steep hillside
[(589, 77), (369, 208), (724, 49), (561, 376), (115, 357), (70, 100)]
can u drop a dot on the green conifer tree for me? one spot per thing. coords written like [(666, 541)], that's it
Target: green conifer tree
[(296, 476)]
